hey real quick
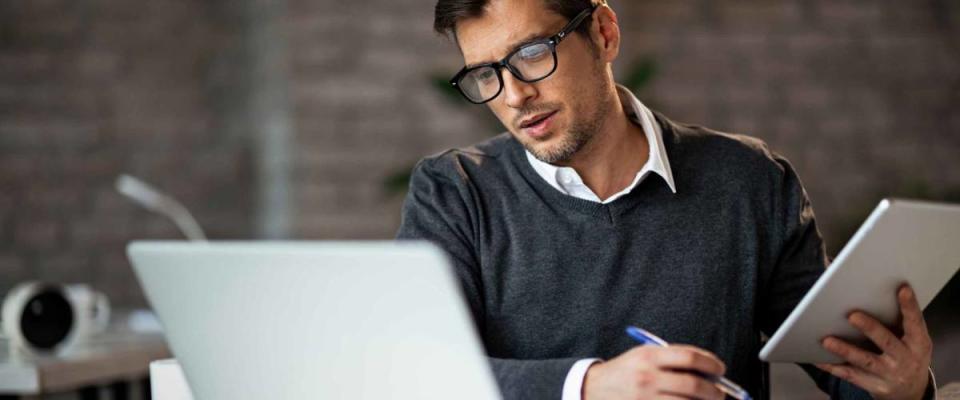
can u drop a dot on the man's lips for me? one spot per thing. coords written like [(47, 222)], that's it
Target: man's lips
[(536, 119), (540, 126)]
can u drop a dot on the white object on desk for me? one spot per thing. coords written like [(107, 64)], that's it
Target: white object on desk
[(63, 316), (167, 381), (92, 308)]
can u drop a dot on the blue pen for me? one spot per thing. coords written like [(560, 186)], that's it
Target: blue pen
[(724, 384)]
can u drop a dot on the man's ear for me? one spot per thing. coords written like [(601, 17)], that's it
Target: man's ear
[(605, 33)]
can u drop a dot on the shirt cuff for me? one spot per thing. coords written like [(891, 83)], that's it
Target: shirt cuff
[(573, 385)]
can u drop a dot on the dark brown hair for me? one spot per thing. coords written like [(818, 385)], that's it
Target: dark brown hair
[(449, 12)]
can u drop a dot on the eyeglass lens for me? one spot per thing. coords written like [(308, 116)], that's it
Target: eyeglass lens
[(529, 63)]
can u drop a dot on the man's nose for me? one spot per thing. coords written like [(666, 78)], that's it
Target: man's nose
[(517, 92)]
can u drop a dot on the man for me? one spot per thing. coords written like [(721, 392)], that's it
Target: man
[(593, 213)]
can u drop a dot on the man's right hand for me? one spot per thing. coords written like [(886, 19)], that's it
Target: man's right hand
[(649, 372)]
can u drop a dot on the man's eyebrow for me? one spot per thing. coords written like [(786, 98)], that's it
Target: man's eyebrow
[(520, 43)]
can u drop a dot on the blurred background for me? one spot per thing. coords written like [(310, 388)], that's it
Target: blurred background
[(300, 119)]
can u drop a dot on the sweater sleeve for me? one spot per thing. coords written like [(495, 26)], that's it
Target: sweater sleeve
[(799, 258), (441, 208)]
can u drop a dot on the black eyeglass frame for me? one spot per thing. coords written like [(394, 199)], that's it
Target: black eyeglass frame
[(498, 66)]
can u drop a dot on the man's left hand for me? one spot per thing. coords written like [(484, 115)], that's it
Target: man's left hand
[(900, 372)]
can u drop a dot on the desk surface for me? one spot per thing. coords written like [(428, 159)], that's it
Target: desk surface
[(106, 358)]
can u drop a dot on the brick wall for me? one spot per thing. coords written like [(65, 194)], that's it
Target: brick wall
[(92, 89), (364, 110)]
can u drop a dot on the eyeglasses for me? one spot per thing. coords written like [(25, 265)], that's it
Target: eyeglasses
[(529, 63)]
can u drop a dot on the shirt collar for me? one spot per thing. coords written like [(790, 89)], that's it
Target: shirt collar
[(657, 161)]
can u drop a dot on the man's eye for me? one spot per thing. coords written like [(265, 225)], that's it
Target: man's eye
[(535, 52), (486, 76)]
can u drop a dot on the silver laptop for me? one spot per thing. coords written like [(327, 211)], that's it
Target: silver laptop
[(314, 320)]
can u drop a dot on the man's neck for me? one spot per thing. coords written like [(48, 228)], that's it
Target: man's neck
[(612, 159)]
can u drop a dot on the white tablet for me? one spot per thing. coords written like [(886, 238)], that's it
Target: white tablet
[(901, 242)]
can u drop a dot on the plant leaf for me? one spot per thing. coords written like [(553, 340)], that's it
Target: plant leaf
[(640, 74)]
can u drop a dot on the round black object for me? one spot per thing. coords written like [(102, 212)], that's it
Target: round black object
[(46, 319)]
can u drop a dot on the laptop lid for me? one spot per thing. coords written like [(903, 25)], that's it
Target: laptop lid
[(314, 320)]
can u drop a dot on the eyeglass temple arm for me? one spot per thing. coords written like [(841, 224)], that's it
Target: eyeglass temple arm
[(576, 22)]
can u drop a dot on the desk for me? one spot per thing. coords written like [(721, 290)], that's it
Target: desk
[(109, 359)]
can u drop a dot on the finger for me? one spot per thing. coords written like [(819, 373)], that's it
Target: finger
[(856, 356), (688, 385), (879, 334), (707, 354), (701, 351), (856, 376), (689, 358), (915, 332)]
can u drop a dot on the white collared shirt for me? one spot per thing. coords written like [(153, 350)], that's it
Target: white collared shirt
[(568, 181)]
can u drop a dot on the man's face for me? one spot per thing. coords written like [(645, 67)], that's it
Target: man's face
[(553, 118)]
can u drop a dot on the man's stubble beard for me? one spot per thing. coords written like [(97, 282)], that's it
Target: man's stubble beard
[(581, 132)]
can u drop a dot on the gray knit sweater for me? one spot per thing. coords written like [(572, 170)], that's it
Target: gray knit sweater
[(551, 278)]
